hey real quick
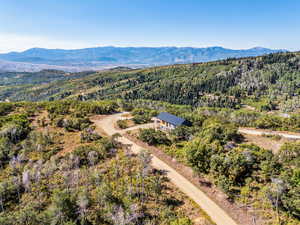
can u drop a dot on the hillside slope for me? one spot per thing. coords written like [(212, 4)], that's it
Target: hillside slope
[(52, 173), (272, 80)]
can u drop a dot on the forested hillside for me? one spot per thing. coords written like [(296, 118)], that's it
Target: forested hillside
[(267, 82), (42, 77)]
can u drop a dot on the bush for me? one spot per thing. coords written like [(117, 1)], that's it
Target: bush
[(154, 137), (269, 122), (122, 124), (95, 107), (5, 151), (89, 135), (182, 221), (181, 133), (74, 124), (143, 115), (90, 154), (58, 108), (14, 132), (6, 108), (244, 117), (290, 152), (141, 119), (18, 119), (217, 130), (199, 153)]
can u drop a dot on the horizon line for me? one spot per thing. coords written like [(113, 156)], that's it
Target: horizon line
[(162, 46)]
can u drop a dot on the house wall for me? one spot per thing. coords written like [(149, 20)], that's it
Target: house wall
[(163, 125)]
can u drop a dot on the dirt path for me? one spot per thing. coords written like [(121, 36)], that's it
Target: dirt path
[(216, 213), (251, 131), (254, 131)]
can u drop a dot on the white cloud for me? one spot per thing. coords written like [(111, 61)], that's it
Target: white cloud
[(13, 42)]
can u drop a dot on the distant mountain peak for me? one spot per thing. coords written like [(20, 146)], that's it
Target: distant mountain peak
[(258, 48), (111, 56)]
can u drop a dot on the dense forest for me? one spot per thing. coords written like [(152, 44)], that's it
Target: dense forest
[(56, 169), (266, 82), (34, 78)]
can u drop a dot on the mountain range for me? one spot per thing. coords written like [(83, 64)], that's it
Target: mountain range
[(99, 58)]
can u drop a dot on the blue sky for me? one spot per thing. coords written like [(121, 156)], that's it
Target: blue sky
[(234, 24)]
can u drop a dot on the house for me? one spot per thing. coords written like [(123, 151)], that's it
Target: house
[(167, 121)]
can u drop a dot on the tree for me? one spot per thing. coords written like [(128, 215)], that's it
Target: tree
[(2, 195), (181, 133), (145, 160), (62, 208), (217, 130), (83, 203), (289, 151), (27, 216), (125, 217), (153, 137), (89, 135), (26, 181), (199, 152), (13, 132)]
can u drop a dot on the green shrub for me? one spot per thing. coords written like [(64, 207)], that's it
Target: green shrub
[(199, 153), (244, 117), (154, 137), (181, 133), (75, 124), (182, 221), (122, 124), (86, 153), (269, 122), (14, 127), (88, 135), (216, 130), (6, 108), (143, 115)]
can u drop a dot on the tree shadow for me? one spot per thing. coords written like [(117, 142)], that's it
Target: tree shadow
[(173, 202)]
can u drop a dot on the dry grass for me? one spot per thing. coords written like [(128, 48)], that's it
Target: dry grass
[(68, 140), (265, 142), (41, 116)]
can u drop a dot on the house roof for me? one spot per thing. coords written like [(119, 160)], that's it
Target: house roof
[(175, 120)]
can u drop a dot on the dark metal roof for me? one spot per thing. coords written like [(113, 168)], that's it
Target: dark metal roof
[(177, 121)]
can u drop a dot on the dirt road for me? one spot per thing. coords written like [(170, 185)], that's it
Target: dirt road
[(216, 213), (261, 132)]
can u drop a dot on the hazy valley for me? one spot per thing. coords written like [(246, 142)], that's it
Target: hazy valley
[(36, 59)]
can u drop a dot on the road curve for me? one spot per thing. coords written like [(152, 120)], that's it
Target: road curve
[(261, 132), (216, 213)]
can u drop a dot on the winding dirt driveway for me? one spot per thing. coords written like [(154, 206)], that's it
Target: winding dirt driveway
[(216, 213)]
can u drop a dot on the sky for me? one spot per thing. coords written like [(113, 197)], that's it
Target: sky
[(71, 24)]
